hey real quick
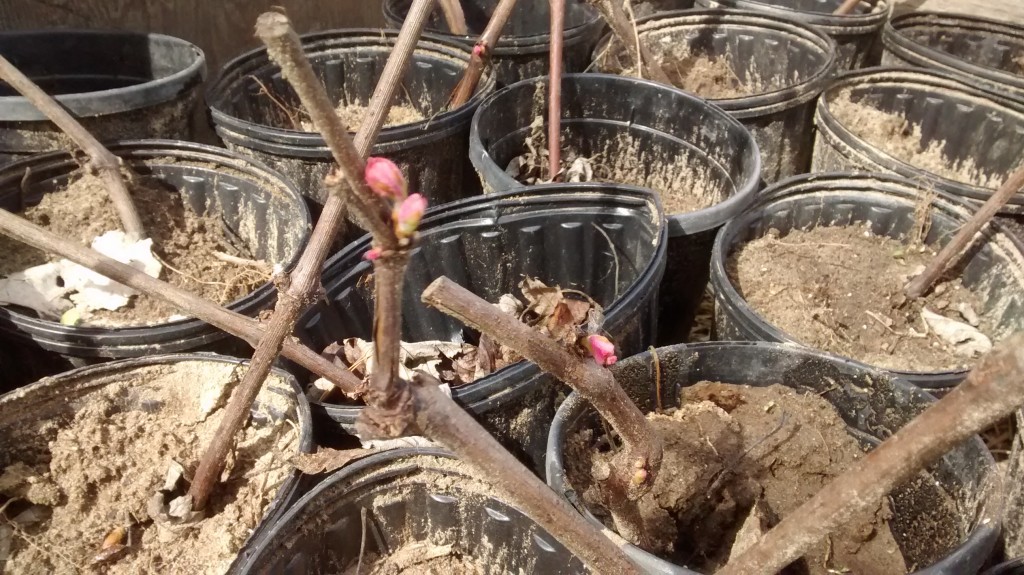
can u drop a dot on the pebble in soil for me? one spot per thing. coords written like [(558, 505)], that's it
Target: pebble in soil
[(840, 289), (736, 460), (187, 242), (96, 467)]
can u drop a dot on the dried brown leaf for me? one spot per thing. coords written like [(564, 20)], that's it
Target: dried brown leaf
[(327, 459)]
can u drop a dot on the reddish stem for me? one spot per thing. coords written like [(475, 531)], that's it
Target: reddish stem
[(555, 90)]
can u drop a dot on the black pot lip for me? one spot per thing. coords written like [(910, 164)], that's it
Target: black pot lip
[(519, 377), (512, 45), (845, 24), (688, 223), (272, 137), (557, 481), (762, 103), (855, 182), (144, 149), (903, 46), (922, 79), (112, 101)]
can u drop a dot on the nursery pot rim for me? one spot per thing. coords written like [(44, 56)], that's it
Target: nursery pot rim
[(257, 59), (516, 379), (837, 24), (873, 183), (678, 224), (557, 480), (922, 80), (921, 54), (139, 151), (760, 103), (113, 100)]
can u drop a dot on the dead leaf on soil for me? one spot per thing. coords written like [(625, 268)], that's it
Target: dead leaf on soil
[(327, 459), (966, 340)]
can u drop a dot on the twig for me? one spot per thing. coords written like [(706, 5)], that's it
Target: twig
[(454, 16), (236, 324), (362, 539), (657, 377), (846, 7), (555, 90), (106, 164), (481, 55), (994, 389), (626, 34), (922, 283)]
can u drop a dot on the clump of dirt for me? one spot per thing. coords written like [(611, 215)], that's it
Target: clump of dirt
[(191, 247), (418, 559), (737, 459), (840, 289), (902, 139), (103, 464), (352, 116)]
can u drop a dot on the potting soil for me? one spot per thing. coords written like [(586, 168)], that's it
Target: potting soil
[(352, 116), (840, 289), (101, 468), (417, 559), (736, 460), (185, 242)]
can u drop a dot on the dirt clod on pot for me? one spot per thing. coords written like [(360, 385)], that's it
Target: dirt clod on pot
[(91, 476), (840, 289), (199, 253), (737, 459)]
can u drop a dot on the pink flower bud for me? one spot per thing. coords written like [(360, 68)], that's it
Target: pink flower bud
[(407, 215), (373, 254), (385, 179), (602, 350)]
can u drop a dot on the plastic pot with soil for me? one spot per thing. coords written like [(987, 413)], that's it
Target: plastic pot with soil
[(120, 86), (418, 511), (857, 34), (703, 163), (257, 113), (822, 261), (924, 125), (89, 455), (524, 49), (219, 223), (607, 242), (714, 54), (982, 51), (752, 430)]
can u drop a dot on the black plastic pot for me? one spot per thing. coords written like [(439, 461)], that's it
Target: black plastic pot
[(410, 496), (644, 8), (1012, 567), (602, 114), (259, 205), (523, 50), (857, 35), (964, 474), (120, 85), (982, 51), (1013, 532), (27, 416), (994, 268), (786, 80), (562, 235), (432, 152), (971, 124)]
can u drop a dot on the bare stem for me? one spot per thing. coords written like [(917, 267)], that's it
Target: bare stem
[(443, 420), (481, 54), (455, 17), (625, 32), (555, 89), (846, 7), (106, 164), (993, 390), (923, 282)]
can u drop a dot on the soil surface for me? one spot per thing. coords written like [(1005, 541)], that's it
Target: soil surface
[(840, 289), (182, 239), (736, 460), (708, 77), (896, 136), (103, 466), (352, 116)]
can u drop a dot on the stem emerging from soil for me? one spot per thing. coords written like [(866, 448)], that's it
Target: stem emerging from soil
[(625, 32), (481, 56), (454, 16), (555, 89), (993, 390), (106, 164), (846, 7), (922, 283)]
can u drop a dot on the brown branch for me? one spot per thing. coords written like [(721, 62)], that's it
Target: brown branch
[(923, 282), (481, 56), (454, 16), (443, 420), (993, 390), (234, 323), (846, 7), (625, 32), (101, 160), (555, 89), (285, 49)]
